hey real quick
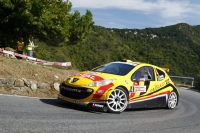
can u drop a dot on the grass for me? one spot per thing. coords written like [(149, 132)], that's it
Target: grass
[(20, 68)]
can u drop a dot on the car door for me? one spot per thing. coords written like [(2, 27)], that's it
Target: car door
[(158, 89), (143, 80)]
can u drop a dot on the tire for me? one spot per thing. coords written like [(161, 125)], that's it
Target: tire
[(172, 100), (117, 101)]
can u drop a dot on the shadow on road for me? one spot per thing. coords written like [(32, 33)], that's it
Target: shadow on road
[(62, 104), (144, 109)]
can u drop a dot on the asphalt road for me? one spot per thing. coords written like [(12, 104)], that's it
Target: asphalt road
[(35, 115)]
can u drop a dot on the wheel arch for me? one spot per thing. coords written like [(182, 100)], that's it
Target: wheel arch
[(125, 90), (115, 106), (177, 93), (120, 86)]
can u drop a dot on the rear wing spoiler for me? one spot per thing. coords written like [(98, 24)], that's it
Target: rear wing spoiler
[(166, 69)]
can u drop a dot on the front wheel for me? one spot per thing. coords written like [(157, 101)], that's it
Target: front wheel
[(172, 100), (117, 101)]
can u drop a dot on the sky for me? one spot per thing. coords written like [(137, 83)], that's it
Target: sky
[(140, 14)]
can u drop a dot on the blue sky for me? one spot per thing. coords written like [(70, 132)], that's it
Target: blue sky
[(140, 14)]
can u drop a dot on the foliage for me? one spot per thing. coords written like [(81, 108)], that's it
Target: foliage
[(172, 47), (52, 22), (49, 20)]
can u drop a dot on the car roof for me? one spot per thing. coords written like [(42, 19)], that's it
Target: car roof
[(130, 63), (140, 63), (127, 61), (134, 63)]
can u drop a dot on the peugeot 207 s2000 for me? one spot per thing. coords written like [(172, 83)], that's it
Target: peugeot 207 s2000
[(120, 85)]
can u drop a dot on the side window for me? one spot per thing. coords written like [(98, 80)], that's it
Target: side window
[(145, 73), (160, 74), (137, 75), (151, 73)]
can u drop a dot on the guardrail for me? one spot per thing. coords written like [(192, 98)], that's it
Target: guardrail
[(183, 79), (37, 61)]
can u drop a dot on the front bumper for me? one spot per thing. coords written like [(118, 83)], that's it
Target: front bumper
[(100, 106)]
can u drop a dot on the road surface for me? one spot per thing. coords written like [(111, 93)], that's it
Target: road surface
[(36, 115)]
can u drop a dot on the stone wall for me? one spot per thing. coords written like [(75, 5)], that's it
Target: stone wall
[(14, 84), (22, 85)]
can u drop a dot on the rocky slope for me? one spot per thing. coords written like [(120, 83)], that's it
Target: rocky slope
[(19, 77)]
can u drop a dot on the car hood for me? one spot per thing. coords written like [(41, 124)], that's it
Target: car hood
[(83, 78)]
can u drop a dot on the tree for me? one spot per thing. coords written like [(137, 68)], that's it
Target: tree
[(80, 26), (50, 20)]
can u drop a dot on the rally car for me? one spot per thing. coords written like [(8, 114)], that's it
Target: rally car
[(120, 85)]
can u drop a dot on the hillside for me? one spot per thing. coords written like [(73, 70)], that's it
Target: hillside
[(176, 47), (15, 68)]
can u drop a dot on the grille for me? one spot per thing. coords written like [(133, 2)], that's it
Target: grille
[(74, 92)]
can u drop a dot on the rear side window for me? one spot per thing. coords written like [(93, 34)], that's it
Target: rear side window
[(160, 75)]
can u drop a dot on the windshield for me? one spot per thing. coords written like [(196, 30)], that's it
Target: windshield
[(115, 68)]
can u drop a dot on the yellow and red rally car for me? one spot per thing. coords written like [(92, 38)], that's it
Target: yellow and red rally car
[(121, 85)]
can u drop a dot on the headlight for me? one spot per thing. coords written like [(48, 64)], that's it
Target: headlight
[(101, 83)]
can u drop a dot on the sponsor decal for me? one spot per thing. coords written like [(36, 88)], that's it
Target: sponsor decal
[(140, 89), (161, 77), (97, 105), (100, 91), (70, 89), (164, 94), (104, 88), (157, 87), (92, 77)]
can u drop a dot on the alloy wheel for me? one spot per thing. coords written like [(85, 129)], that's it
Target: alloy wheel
[(172, 100), (117, 101)]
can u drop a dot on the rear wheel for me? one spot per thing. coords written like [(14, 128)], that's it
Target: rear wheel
[(117, 101), (172, 100)]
